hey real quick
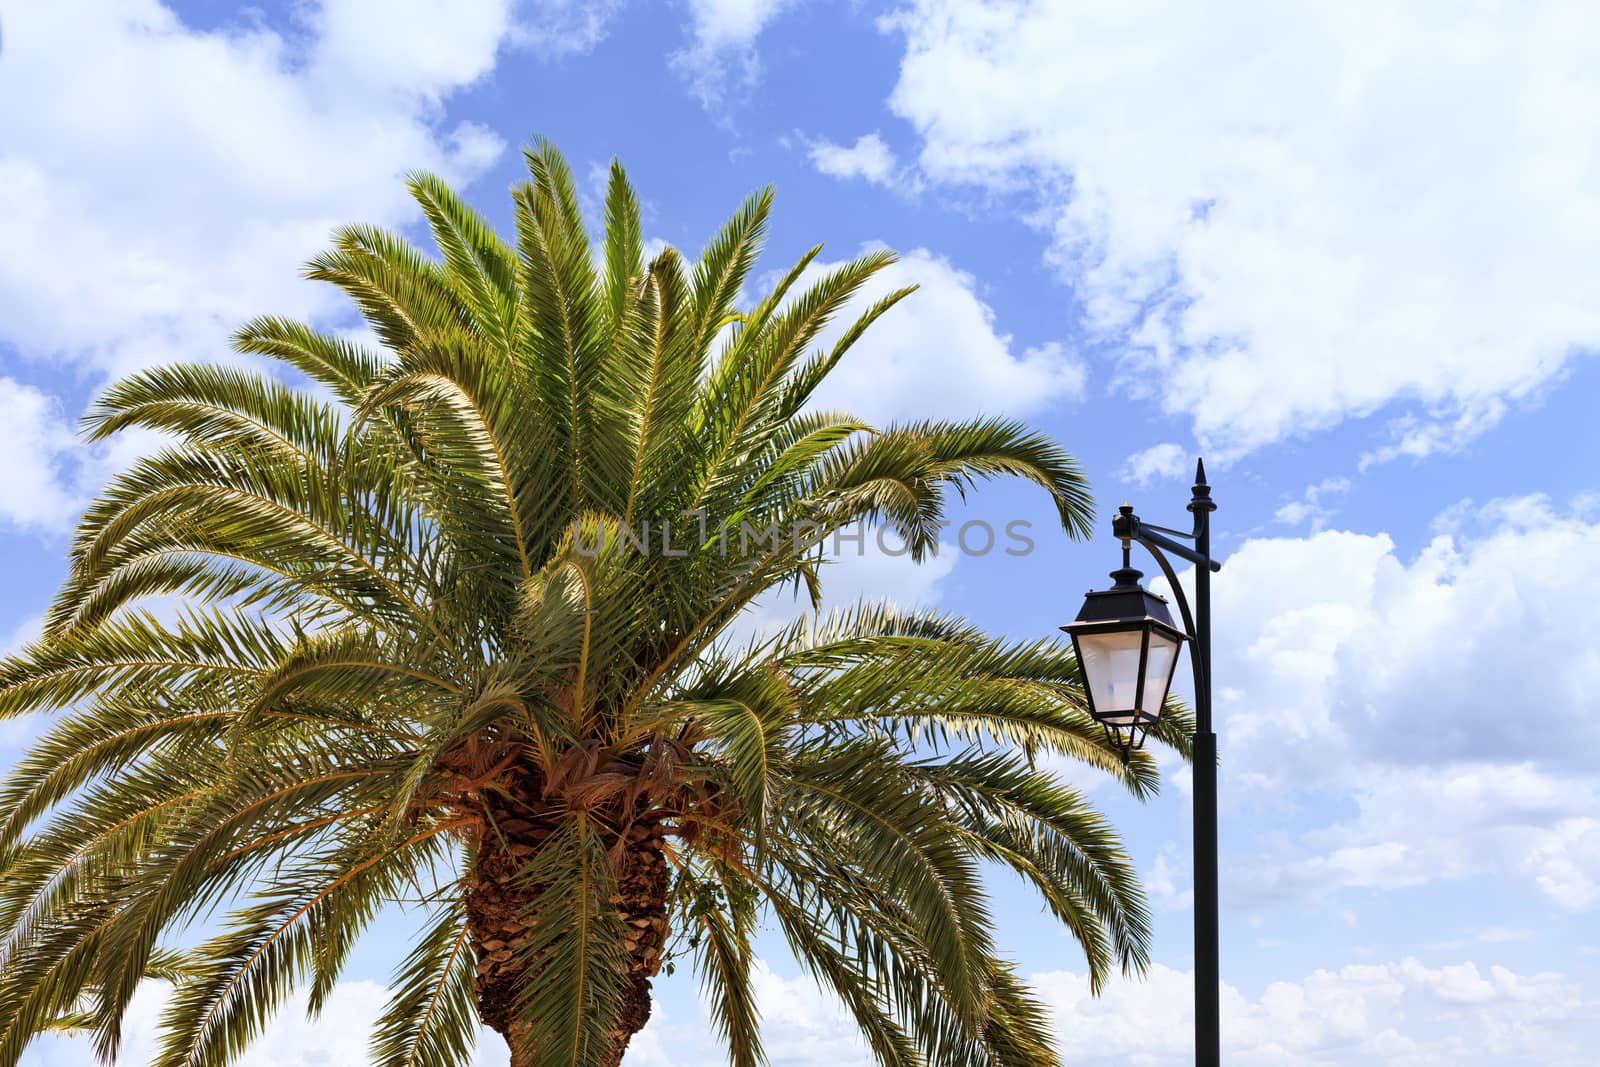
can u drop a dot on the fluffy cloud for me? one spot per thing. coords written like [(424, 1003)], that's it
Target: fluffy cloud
[(939, 354), (566, 27), (1395, 1013), (1313, 504), (402, 47), (1401, 1013), (292, 1039), (1423, 825), (1295, 219), (1446, 695), (1333, 645), (868, 158), (38, 445), (49, 473), (802, 1024), (1163, 462), (721, 54), (146, 220)]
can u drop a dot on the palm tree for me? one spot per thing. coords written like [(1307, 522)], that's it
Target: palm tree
[(422, 657)]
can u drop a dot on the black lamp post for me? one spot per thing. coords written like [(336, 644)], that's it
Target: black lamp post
[(1127, 647)]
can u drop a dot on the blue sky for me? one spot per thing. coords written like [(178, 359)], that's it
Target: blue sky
[(1346, 254)]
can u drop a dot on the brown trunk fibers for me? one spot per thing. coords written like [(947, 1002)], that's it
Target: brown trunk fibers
[(500, 909)]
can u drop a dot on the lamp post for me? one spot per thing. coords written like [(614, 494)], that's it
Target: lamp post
[(1127, 646)]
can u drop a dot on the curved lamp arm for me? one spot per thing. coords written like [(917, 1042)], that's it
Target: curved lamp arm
[(1153, 539), (1196, 661)]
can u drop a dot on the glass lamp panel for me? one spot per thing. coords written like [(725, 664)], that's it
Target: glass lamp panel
[(1158, 674), (1111, 667)]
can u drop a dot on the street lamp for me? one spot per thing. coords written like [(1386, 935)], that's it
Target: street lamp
[(1127, 647)]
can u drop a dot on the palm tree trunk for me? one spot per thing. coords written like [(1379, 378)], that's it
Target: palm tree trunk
[(501, 908), (642, 883)]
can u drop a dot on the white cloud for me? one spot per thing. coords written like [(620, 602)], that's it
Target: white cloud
[(1164, 885), (338, 1036), (1447, 695), (1312, 504), (49, 473), (1394, 1013), (1502, 935), (1420, 825), (721, 54), (566, 27), (802, 1024), (147, 220), (1163, 462), (1466, 652), (938, 353), (870, 158), (403, 47), (1290, 220), (38, 447)]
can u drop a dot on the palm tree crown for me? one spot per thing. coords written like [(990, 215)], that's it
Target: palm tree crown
[(453, 633)]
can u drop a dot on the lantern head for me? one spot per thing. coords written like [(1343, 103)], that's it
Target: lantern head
[(1127, 648)]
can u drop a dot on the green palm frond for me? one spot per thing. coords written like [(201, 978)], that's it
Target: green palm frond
[(431, 1019)]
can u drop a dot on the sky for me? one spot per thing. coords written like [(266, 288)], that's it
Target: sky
[(1346, 252)]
